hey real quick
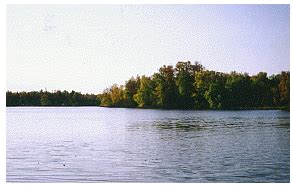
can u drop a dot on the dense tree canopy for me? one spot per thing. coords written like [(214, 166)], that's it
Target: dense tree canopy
[(185, 86), (191, 86), (56, 98)]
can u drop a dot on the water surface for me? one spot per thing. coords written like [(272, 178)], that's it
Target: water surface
[(92, 144)]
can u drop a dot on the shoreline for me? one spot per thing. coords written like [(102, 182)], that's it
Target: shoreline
[(192, 109)]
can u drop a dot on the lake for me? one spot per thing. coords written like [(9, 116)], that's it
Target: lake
[(94, 144)]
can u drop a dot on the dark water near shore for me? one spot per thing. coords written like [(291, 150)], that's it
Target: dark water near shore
[(92, 144)]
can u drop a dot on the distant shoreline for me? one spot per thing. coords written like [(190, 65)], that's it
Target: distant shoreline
[(231, 109), (185, 86)]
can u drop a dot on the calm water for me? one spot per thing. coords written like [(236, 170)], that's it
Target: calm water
[(92, 144)]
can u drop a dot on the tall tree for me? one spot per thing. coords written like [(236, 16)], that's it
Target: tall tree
[(166, 90), (184, 81), (131, 88), (261, 91), (145, 96), (284, 88), (201, 86), (237, 91), (106, 99), (117, 95)]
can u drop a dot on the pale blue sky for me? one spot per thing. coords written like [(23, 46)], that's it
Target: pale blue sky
[(90, 47)]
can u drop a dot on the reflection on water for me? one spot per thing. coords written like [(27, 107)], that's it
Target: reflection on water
[(92, 144)]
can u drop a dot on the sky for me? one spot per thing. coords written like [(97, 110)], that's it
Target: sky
[(87, 48)]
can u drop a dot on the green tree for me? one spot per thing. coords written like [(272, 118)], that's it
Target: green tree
[(185, 84), (106, 99), (214, 95), (201, 86), (261, 91), (131, 88), (209, 89), (237, 91), (12, 99), (166, 90), (117, 95), (145, 96), (284, 89), (45, 101)]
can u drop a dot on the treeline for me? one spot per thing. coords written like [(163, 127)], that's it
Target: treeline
[(57, 98), (191, 86), (185, 86)]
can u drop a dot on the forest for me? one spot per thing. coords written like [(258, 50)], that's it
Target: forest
[(55, 98), (185, 86)]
